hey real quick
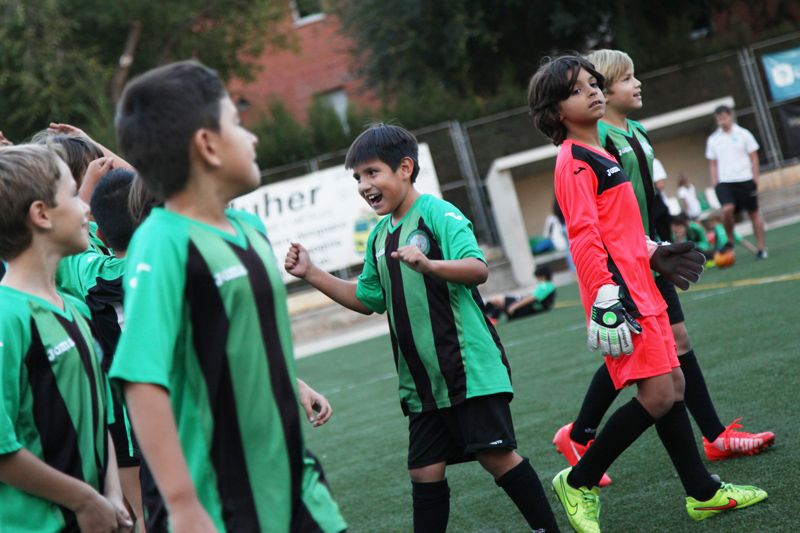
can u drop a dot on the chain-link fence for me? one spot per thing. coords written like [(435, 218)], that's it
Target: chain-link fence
[(464, 152)]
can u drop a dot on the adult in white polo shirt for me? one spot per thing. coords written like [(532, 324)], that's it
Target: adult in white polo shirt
[(733, 155)]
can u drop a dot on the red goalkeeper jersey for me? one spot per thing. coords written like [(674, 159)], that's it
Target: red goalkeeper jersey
[(606, 236)]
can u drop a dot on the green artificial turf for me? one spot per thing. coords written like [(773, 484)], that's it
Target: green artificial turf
[(746, 335)]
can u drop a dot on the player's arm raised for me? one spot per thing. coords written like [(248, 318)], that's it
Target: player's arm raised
[(298, 264)]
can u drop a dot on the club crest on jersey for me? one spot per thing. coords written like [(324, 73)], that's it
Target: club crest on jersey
[(56, 351), (419, 239)]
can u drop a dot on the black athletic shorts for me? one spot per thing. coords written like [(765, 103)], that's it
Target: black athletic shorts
[(670, 295), (454, 434), (521, 312), (525, 310), (742, 194)]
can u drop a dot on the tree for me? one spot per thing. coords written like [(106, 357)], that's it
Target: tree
[(466, 46), (58, 57), (42, 77)]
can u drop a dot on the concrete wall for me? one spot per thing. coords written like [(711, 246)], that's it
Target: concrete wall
[(684, 153)]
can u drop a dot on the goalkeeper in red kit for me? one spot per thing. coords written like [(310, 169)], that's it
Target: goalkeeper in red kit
[(626, 315)]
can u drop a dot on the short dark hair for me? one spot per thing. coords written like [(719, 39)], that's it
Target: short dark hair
[(543, 271), (78, 151), (681, 219), (28, 173), (386, 142), (551, 85), (723, 109), (158, 114), (109, 206)]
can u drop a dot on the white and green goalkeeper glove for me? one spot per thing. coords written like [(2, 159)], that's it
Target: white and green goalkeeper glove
[(610, 325)]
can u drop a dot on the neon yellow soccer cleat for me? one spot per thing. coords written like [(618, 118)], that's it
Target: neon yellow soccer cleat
[(727, 498), (582, 505)]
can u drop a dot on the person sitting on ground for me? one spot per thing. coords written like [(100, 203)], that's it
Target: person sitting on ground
[(719, 236), (540, 300), (684, 229)]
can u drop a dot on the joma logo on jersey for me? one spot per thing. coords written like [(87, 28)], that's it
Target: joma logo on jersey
[(625, 150), (230, 273), (56, 351), (380, 253), (612, 170)]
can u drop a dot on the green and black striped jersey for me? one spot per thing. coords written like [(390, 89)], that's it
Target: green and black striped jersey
[(79, 273), (445, 349), (206, 318), (54, 402), (633, 151)]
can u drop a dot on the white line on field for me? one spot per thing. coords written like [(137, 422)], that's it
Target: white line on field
[(361, 384)]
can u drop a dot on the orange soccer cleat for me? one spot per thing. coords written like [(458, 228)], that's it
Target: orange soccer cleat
[(732, 443), (573, 451)]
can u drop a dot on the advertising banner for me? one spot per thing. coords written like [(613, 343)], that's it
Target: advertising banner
[(324, 212), (783, 73)]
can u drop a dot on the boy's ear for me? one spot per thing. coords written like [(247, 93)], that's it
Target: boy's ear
[(205, 146), (39, 215), (406, 167)]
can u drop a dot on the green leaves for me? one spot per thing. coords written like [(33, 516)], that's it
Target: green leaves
[(58, 57)]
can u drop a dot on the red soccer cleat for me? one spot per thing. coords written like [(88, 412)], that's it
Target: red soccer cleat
[(732, 443), (573, 451)]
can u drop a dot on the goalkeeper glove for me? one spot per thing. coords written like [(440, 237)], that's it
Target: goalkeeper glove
[(679, 262), (610, 325)]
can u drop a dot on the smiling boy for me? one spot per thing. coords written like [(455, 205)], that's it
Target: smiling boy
[(422, 266), (57, 466)]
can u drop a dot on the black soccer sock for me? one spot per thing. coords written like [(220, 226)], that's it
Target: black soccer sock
[(675, 432), (599, 397), (622, 429), (524, 488), (697, 398), (431, 506)]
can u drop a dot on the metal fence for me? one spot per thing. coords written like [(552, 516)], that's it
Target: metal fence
[(463, 152)]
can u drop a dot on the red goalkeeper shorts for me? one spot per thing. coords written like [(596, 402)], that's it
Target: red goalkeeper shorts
[(654, 353)]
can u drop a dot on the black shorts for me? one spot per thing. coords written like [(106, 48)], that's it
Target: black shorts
[(670, 295), (742, 194), (454, 434), (520, 312)]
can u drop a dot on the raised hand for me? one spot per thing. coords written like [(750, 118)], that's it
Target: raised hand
[(413, 257), (297, 262)]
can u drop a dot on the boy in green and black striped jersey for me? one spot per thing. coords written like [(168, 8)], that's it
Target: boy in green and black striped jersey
[(206, 353), (57, 466), (422, 267)]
